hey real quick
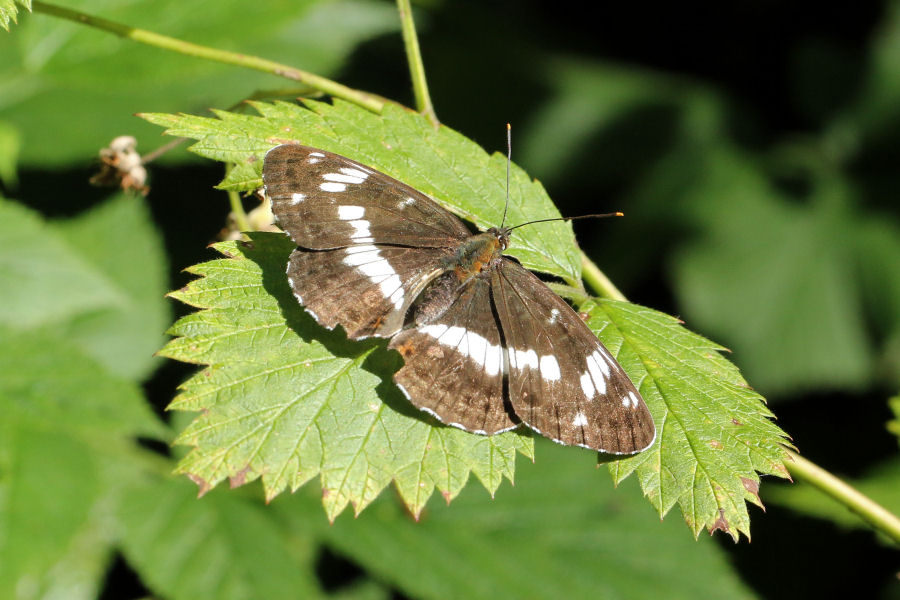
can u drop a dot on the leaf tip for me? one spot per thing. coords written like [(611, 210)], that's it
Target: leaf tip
[(202, 484), (722, 524), (752, 486)]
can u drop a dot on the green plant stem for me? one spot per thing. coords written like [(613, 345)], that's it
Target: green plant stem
[(598, 281), (369, 101), (414, 58), (237, 208), (868, 510)]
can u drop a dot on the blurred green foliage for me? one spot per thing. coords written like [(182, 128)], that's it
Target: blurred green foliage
[(779, 240)]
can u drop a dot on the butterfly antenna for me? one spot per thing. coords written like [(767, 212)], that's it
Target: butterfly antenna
[(508, 160), (600, 216)]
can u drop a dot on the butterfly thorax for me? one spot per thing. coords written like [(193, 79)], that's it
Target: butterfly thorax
[(479, 253)]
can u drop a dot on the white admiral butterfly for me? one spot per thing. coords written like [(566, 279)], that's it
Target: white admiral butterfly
[(486, 344)]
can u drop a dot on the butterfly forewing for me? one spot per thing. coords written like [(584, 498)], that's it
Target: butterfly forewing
[(562, 381), (365, 288), (454, 363), (324, 200)]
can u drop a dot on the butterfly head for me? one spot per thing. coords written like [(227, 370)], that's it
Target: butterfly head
[(502, 236)]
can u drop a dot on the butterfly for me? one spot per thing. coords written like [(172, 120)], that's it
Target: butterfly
[(486, 345)]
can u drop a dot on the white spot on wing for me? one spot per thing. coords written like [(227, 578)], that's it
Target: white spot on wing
[(580, 420), (349, 212), (598, 371), (358, 250), (554, 315), (523, 359), (587, 385), (319, 154), (297, 198), (469, 344), (331, 186), (550, 368), (634, 399), (356, 173), (362, 229), (528, 359), (369, 262), (343, 178)]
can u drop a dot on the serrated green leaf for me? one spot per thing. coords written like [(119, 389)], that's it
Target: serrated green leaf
[(714, 433), (103, 79), (283, 401), (440, 162), (221, 547), (9, 10), (565, 533)]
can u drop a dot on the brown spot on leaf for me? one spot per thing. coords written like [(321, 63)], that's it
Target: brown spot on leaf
[(446, 495), (736, 422), (252, 159), (201, 483), (246, 245), (752, 486), (716, 444), (239, 478), (720, 524)]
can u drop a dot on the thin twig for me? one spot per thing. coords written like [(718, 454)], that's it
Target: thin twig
[(237, 207), (868, 510), (414, 58), (371, 102)]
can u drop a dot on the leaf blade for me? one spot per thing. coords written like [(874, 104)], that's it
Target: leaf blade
[(714, 434), (305, 402)]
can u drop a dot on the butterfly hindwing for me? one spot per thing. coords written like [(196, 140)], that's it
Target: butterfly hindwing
[(324, 200), (562, 381), (366, 288), (454, 363)]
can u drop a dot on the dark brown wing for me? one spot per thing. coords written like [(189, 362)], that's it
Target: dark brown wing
[(324, 200), (367, 289), (454, 364), (563, 382)]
